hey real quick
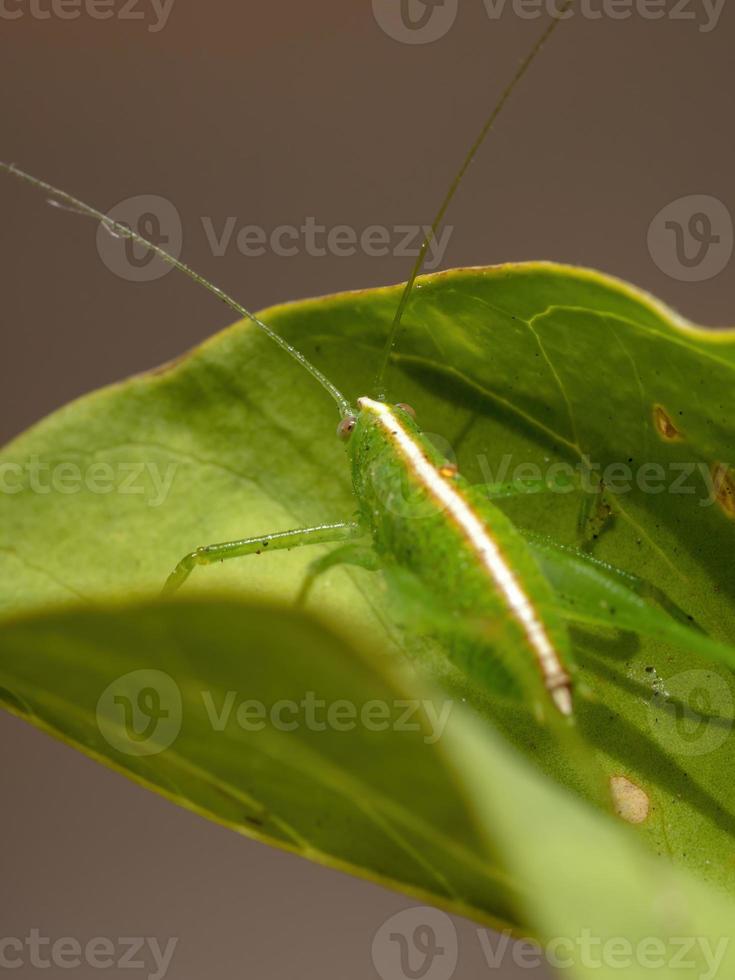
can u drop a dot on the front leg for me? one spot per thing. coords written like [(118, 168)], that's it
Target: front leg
[(211, 553)]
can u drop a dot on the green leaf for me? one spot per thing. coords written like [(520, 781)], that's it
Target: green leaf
[(536, 364), (433, 803), (268, 721)]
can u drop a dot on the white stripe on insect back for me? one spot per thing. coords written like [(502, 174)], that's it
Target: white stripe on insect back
[(479, 538)]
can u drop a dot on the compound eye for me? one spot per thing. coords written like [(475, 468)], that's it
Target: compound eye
[(407, 409), (346, 427)]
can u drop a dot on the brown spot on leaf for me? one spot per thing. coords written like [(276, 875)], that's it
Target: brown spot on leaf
[(723, 484), (664, 425), (631, 802), (448, 470)]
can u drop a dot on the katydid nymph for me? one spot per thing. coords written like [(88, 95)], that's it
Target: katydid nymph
[(417, 516)]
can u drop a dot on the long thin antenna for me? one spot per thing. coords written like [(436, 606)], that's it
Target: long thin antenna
[(123, 231), (453, 188)]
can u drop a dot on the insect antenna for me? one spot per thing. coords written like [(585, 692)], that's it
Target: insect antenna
[(69, 203), (453, 188)]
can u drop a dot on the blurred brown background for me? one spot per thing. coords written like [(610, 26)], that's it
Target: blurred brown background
[(273, 113)]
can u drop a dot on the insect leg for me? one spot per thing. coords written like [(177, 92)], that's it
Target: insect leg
[(212, 553), (348, 554), (592, 592)]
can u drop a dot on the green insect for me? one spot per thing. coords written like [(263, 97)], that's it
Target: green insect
[(503, 592)]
